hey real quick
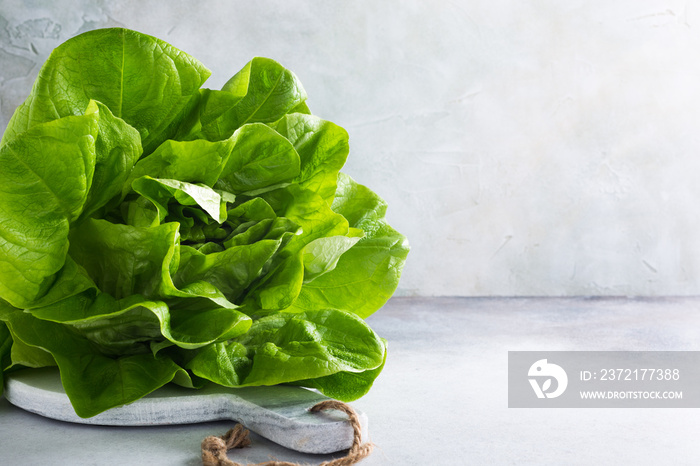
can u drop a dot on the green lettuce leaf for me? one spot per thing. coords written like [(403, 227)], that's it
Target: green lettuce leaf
[(261, 160), (197, 161), (322, 147), (111, 323), (231, 270), (262, 92), (346, 385), (366, 275), (36, 166), (285, 346), (117, 148), (93, 382), (30, 356), (144, 81), (125, 260), (160, 191)]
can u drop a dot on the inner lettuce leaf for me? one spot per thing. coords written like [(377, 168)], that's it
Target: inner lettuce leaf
[(153, 231)]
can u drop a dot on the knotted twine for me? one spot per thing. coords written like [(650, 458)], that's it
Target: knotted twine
[(214, 448)]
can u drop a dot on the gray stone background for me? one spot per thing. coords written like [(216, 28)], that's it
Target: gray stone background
[(525, 148)]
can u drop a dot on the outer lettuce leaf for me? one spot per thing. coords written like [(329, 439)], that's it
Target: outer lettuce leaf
[(286, 347), (254, 159), (36, 166), (92, 381), (263, 91), (261, 160), (310, 211), (196, 161), (144, 81), (301, 108), (71, 280), (368, 273), (117, 148), (322, 255), (24, 355), (322, 147), (95, 152), (125, 260), (123, 326), (346, 386)]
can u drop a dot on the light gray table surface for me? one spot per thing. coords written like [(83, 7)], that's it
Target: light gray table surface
[(443, 396)]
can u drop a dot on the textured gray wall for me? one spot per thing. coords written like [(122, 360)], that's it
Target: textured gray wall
[(525, 148)]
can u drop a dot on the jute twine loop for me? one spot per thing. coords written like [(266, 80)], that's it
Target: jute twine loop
[(214, 448)]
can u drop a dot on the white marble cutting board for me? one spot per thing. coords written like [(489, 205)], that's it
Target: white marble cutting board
[(279, 413)]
